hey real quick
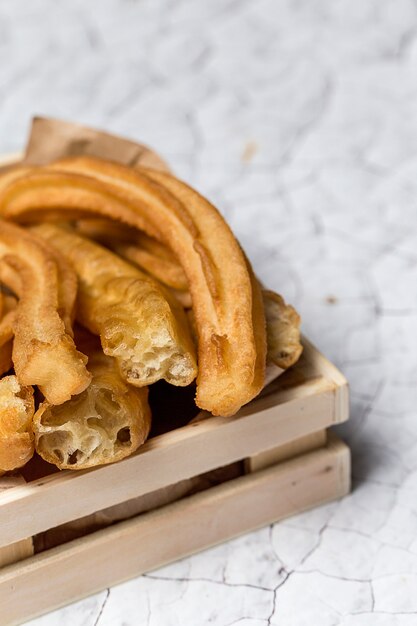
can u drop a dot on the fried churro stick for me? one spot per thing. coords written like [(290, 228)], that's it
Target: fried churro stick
[(11, 174), (7, 303), (67, 289), (67, 284), (143, 251), (105, 231), (148, 336), (105, 423), (43, 352), (138, 248), (231, 351), (282, 320), (16, 412), (227, 300), (151, 256), (66, 195)]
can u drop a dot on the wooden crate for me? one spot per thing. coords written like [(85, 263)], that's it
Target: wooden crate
[(279, 458)]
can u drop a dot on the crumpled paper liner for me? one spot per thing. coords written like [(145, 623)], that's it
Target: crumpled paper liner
[(52, 139)]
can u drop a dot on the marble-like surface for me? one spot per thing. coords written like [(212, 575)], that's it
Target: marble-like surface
[(299, 119)]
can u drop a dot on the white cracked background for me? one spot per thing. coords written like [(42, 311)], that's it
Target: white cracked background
[(298, 118)]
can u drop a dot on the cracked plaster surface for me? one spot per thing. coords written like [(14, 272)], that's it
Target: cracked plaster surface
[(299, 120)]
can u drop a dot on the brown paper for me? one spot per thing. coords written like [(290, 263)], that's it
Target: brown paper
[(53, 139)]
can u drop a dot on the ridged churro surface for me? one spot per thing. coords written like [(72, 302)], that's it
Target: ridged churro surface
[(139, 324)]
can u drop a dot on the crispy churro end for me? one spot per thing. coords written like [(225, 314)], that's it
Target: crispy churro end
[(16, 412), (160, 360), (52, 365), (104, 424)]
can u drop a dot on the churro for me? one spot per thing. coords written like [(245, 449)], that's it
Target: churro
[(105, 423), (138, 248), (44, 354), (282, 321), (138, 323)]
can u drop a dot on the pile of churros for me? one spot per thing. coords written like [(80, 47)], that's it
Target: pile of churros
[(113, 278)]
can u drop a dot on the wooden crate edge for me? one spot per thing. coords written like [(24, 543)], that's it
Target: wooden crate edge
[(234, 508)]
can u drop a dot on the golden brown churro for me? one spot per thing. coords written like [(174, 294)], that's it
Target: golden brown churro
[(16, 412), (11, 174), (105, 423), (282, 321), (231, 351), (146, 333), (138, 248), (67, 284), (44, 354), (150, 255)]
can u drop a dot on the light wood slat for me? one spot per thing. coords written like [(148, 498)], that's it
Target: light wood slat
[(289, 450), (116, 554), (330, 371), (21, 549)]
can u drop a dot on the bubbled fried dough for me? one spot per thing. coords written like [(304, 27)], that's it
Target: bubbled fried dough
[(44, 354), (16, 412), (282, 321), (230, 349), (104, 424), (144, 329)]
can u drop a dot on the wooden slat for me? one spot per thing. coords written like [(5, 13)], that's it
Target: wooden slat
[(130, 548), (21, 549), (289, 450), (301, 402), (331, 372)]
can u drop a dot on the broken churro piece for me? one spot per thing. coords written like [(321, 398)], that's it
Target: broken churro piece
[(16, 412), (138, 323), (105, 423), (44, 354), (283, 331), (282, 321)]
